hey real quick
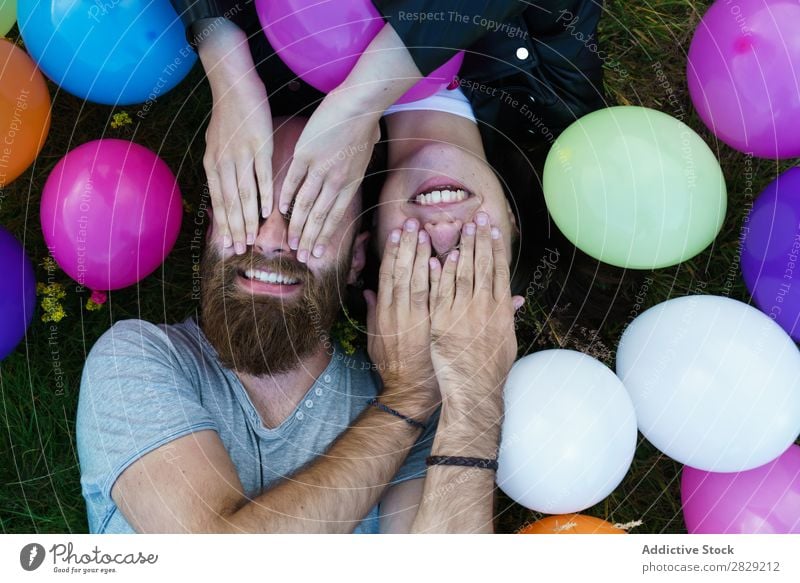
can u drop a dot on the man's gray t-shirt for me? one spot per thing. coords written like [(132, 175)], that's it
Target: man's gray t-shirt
[(144, 386)]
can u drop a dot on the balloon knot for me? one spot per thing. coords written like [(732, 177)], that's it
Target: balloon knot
[(99, 297)]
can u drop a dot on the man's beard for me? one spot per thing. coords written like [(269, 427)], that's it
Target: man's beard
[(260, 334)]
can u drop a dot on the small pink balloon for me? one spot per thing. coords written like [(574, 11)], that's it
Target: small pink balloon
[(110, 212), (763, 500), (321, 40)]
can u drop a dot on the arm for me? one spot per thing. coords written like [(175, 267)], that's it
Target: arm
[(238, 156), (192, 485), (473, 349), (336, 145)]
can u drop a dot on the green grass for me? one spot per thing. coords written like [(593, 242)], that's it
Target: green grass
[(39, 477)]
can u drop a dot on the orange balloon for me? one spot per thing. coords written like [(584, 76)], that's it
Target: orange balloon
[(571, 524), (24, 111)]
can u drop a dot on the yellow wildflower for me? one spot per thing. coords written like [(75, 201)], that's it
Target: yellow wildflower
[(51, 302), (92, 306), (121, 119)]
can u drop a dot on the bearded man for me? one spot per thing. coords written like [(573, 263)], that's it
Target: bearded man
[(254, 421)]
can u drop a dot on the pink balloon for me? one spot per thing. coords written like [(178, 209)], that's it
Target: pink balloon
[(743, 71), (321, 40), (763, 500), (110, 212)]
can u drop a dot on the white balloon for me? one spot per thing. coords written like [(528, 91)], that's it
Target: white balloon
[(569, 432), (715, 382)]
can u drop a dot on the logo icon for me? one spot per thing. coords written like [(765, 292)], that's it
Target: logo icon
[(31, 556)]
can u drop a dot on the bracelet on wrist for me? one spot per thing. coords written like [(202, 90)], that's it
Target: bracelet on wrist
[(454, 460), (413, 422)]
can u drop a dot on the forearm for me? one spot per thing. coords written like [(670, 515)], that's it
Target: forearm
[(337, 490), (383, 73), (225, 55), (461, 499)]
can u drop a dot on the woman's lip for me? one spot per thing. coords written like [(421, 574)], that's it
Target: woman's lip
[(439, 183), (255, 286)]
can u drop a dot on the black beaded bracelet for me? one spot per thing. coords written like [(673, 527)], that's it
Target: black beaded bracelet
[(409, 420), (454, 460)]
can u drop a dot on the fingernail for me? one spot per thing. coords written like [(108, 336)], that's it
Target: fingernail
[(518, 303), (227, 241), (453, 256), (482, 219), (410, 225), (422, 237), (264, 213), (251, 239), (433, 263), (284, 208), (302, 256), (469, 228), (240, 248), (394, 236), (294, 242), (318, 250), (495, 233)]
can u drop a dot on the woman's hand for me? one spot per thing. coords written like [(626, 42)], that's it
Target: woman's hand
[(472, 321), (329, 162), (334, 150), (238, 157), (398, 323)]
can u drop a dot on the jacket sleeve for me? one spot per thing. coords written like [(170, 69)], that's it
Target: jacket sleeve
[(190, 11), (434, 30)]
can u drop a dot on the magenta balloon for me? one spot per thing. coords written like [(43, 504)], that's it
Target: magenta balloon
[(763, 500), (437, 79), (743, 72), (111, 212), (321, 40)]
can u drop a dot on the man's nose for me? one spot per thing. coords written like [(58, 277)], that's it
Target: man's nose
[(273, 235), (445, 235)]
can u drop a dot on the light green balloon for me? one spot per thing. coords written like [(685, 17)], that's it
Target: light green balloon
[(634, 187), (8, 15)]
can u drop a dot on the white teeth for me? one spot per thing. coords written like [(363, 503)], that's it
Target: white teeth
[(441, 196), (269, 277)]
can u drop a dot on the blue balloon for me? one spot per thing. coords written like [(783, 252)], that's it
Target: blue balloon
[(114, 52), (17, 293)]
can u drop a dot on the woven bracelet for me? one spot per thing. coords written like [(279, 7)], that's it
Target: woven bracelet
[(390, 411), (454, 460)]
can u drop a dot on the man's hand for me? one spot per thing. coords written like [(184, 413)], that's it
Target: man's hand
[(238, 157), (472, 321), (329, 163), (398, 323)]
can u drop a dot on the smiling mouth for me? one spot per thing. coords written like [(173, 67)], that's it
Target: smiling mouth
[(441, 195), (269, 277)]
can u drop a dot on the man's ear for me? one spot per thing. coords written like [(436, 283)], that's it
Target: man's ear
[(359, 259)]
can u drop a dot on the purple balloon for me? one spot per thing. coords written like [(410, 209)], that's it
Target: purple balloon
[(321, 40), (770, 254), (743, 71), (17, 293), (765, 500), (111, 212)]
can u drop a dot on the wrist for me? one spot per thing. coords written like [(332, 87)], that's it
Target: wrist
[(416, 403), (225, 55), (484, 444)]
